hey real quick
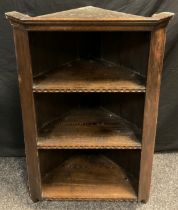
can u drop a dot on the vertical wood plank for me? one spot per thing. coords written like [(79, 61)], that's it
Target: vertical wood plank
[(151, 111), (28, 112)]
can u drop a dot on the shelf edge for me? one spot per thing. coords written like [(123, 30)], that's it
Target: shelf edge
[(38, 90), (88, 147)]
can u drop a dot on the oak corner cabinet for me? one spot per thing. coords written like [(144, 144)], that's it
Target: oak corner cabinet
[(89, 83)]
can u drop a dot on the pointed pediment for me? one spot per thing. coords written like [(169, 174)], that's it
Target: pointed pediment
[(88, 14)]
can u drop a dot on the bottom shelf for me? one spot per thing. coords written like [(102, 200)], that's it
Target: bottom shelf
[(87, 176)]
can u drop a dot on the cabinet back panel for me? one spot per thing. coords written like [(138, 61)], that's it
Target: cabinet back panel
[(130, 161), (50, 50), (49, 106), (52, 106), (128, 105), (130, 49), (127, 159)]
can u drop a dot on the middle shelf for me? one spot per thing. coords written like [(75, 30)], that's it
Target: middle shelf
[(89, 120), (89, 128)]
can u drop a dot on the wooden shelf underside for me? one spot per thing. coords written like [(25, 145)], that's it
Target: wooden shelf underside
[(89, 128), (90, 76), (87, 177)]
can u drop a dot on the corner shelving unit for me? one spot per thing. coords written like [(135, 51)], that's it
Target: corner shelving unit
[(89, 83)]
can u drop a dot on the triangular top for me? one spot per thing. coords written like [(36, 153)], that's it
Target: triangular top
[(88, 13)]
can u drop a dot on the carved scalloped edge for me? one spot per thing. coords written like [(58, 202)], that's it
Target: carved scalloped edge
[(91, 199), (37, 90), (88, 147)]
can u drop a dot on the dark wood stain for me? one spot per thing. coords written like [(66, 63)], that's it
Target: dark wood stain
[(28, 112), (89, 83), (151, 110)]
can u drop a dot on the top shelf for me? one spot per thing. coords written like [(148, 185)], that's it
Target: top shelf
[(89, 76)]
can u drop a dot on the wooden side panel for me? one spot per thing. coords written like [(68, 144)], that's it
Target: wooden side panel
[(151, 110), (28, 114)]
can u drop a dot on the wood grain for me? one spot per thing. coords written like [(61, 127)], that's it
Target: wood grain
[(90, 76), (87, 177), (151, 111), (89, 18), (89, 128), (76, 174), (28, 113), (90, 13)]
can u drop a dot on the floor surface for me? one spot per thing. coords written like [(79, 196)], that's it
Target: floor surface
[(164, 191)]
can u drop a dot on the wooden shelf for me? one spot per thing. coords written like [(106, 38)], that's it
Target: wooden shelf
[(89, 128), (87, 177), (90, 76)]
